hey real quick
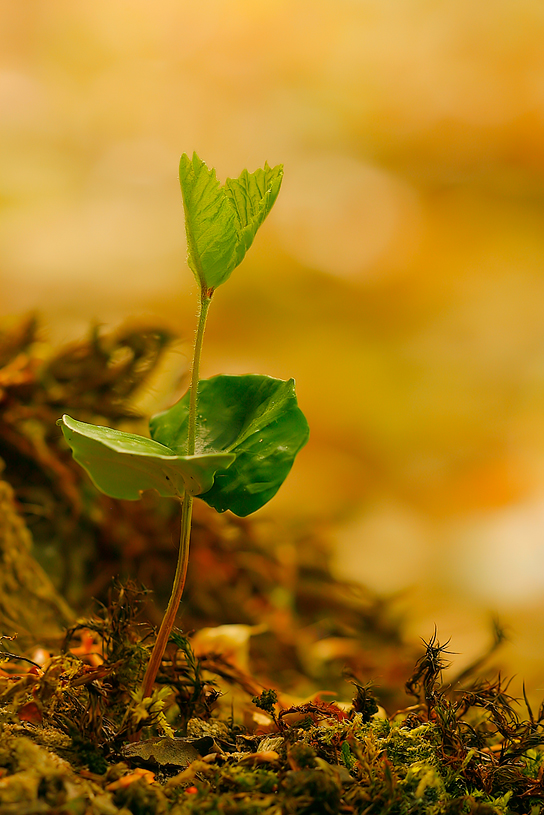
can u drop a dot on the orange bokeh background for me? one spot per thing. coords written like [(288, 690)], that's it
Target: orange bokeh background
[(399, 278)]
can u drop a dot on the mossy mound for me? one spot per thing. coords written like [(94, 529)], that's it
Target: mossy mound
[(76, 737)]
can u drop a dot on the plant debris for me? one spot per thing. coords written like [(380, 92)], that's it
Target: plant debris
[(466, 750)]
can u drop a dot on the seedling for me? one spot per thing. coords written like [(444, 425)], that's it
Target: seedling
[(230, 440)]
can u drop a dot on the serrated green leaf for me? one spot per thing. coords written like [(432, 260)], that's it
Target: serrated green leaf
[(210, 223), (221, 221), (122, 465), (252, 196), (254, 417)]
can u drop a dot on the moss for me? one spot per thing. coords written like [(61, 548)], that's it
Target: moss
[(302, 756), (240, 779), (337, 764), (140, 798), (89, 755), (206, 803), (38, 778)]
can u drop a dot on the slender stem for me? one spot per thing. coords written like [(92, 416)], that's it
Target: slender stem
[(169, 618), (173, 604), (205, 300)]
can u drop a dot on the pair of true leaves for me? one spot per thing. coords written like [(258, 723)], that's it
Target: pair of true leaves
[(249, 428)]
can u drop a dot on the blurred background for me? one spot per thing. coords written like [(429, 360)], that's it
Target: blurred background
[(399, 278)]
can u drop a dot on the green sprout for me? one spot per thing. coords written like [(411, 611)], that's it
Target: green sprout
[(230, 440)]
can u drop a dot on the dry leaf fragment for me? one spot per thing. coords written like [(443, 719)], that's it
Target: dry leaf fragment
[(166, 751), (194, 770), (262, 757), (127, 780), (30, 713), (90, 650)]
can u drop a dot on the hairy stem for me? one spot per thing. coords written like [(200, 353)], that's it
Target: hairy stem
[(186, 511)]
